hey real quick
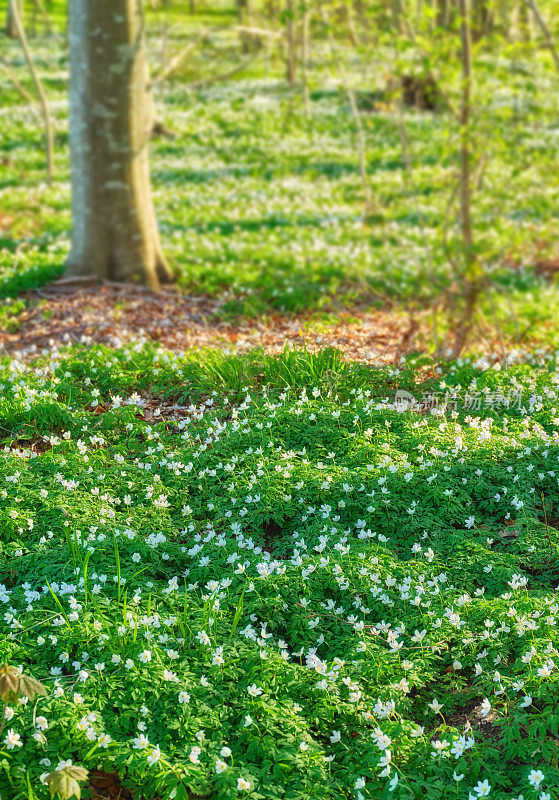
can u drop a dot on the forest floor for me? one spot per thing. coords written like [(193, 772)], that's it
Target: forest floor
[(245, 575), (261, 204), (65, 313), (236, 565)]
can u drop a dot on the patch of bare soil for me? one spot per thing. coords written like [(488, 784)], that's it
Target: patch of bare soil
[(67, 312), (30, 447), (107, 786), (471, 716)]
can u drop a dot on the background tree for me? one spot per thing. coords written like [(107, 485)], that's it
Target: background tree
[(115, 233), (11, 26)]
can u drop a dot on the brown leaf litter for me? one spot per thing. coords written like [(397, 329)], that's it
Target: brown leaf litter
[(67, 312)]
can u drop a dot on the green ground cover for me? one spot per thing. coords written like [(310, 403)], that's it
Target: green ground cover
[(291, 590), (255, 576)]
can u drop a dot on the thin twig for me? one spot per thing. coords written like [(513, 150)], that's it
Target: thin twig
[(21, 89), (76, 279), (371, 203), (224, 75), (180, 57), (40, 91)]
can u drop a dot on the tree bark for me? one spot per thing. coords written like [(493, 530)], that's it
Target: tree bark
[(525, 23), (305, 36), (443, 13), (465, 109), (291, 37), (471, 280), (114, 233), (250, 41), (349, 17), (11, 25)]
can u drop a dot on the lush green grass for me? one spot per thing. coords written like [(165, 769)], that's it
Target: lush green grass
[(293, 570)]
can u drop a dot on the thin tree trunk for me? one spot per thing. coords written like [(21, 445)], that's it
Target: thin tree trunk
[(505, 19), (114, 232), (272, 11), (532, 5), (443, 13), (524, 22), (481, 19), (39, 5), (12, 8), (164, 36), (49, 141), (465, 109), (354, 41), (250, 41), (305, 60), (370, 206), (291, 70), (395, 9), (371, 203), (21, 89), (471, 283)]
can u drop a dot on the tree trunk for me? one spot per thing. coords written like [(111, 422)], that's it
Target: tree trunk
[(482, 19), (249, 40), (114, 233), (471, 278), (354, 41), (503, 11), (465, 109), (524, 23), (291, 65), (305, 59), (11, 26)]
